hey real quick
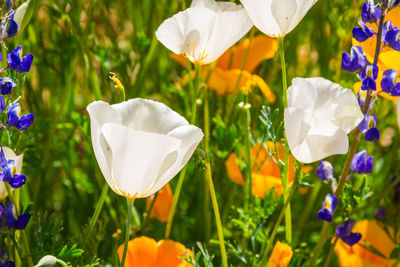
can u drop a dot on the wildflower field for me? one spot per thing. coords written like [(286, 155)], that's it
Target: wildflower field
[(162, 133)]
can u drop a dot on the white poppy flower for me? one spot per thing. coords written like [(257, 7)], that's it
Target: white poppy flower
[(204, 31), (10, 155), (140, 144), (276, 18), (318, 118)]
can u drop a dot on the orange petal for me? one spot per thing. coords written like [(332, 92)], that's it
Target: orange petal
[(261, 48), (281, 255), (181, 59), (224, 82), (169, 254), (162, 205), (357, 255), (233, 169), (142, 251), (262, 184)]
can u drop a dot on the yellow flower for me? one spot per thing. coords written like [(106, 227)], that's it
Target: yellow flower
[(266, 172), (162, 204), (357, 256), (146, 252), (225, 74), (388, 58), (281, 255)]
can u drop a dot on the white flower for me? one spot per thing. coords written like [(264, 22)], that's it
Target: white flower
[(140, 145), (10, 155), (318, 118), (276, 18), (204, 31)]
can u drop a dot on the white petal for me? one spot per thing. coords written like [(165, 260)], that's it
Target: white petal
[(284, 12), (320, 113), (187, 32), (190, 136), (136, 157), (20, 13), (204, 31), (261, 15), (149, 116), (101, 112), (229, 27)]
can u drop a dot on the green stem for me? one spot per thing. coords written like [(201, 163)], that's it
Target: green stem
[(285, 178), (217, 215), (23, 235), (96, 213), (128, 224), (208, 176), (249, 165), (275, 229), (329, 258)]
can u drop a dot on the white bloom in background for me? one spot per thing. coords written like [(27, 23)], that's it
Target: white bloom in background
[(140, 145), (10, 155), (276, 18), (318, 118), (204, 31)]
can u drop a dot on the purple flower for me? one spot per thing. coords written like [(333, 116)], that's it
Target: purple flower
[(325, 171), (343, 231), (362, 97), (388, 80), (328, 207), (368, 127), (4, 262), (392, 38), (370, 12), (8, 27), (12, 221), (380, 213), (362, 32), (9, 172), (14, 117), (18, 62), (355, 60), (6, 85), (362, 163), (393, 3), (370, 70)]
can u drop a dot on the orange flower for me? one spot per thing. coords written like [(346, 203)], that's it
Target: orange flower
[(146, 252), (358, 256), (266, 172), (162, 204), (281, 255), (388, 58), (226, 72)]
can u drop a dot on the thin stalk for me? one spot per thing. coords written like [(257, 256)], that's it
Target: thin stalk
[(249, 165), (217, 215), (275, 229), (96, 213), (353, 148), (193, 94), (23, 235), (285, 178), (128, 224), (208, 176)]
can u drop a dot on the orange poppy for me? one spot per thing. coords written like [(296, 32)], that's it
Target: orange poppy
[(225, 75), (357, 255), (266, 172), (281, 255), (388, 58), (162, 204), (146, 252)]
